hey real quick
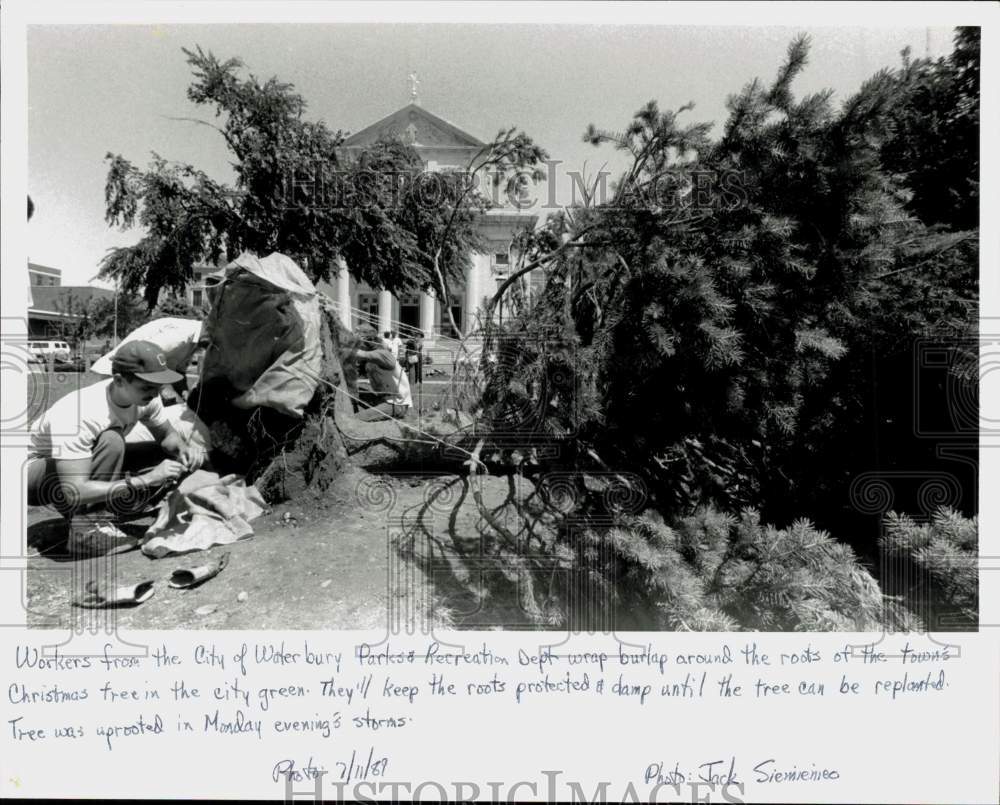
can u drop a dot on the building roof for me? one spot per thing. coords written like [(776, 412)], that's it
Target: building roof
[(417, 126), (55, 272), (53, 299)]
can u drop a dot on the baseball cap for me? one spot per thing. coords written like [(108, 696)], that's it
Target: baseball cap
[(146, 361)]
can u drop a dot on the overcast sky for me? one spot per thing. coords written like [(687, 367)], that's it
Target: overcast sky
[(113, 88)]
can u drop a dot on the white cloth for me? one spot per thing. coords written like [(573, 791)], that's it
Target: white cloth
[(279, 270), (178, 338), (205, 510), (70, 428)]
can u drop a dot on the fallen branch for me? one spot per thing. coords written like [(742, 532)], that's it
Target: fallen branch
[(538, 261)]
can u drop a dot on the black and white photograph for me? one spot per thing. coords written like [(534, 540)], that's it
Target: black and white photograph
[(397, 395), (586, 328)]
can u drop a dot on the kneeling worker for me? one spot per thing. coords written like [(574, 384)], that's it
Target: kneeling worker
[(78, 451), (388, 381)]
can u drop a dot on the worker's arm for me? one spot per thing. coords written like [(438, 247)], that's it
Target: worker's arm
[(79, 488), (191, 455)]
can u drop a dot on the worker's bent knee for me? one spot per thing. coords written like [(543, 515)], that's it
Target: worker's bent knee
[(107, 456), (110, 441)]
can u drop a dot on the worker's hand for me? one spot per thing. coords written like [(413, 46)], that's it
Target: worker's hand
[(192, 456), (165, 472)]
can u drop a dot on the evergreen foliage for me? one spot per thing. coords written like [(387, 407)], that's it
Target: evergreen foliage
[(711, 571), (720, 314), (396, 226), (735, 323), (939, 563), (934, 146)]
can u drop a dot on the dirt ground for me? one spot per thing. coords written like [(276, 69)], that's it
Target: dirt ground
[(380, 549), (348, 560)]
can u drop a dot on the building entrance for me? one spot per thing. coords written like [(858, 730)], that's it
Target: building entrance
[(368, 305), (409, 311), (456, 311)]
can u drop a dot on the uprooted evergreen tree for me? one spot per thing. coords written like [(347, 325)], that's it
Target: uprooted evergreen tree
[(708, 304), (715, 325), (396, 226)]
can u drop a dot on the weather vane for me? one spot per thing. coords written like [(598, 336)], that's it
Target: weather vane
[(414, 83)]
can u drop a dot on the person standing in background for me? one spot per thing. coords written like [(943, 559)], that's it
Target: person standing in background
[(388, 381), (415, 359), (396, 347)]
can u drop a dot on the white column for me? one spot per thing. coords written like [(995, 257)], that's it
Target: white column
[(472, 291), (344, 296), (427, 314), (384, 311)]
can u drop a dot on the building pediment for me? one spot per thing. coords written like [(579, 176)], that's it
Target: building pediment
[(415, 126)]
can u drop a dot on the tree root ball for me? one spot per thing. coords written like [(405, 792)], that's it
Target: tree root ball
[(285, 458), (291, 458)]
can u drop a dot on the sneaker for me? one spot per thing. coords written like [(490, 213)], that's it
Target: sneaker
[(99, 539)]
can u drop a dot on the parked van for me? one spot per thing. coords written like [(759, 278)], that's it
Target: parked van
[(44, 351)]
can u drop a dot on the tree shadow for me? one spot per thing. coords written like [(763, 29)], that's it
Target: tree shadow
[(487, 548)]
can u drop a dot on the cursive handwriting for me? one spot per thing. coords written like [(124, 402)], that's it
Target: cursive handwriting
[(726, 772), (287, 769)]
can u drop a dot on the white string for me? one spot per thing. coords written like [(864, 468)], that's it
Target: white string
[(388, 417), (401, 422)]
